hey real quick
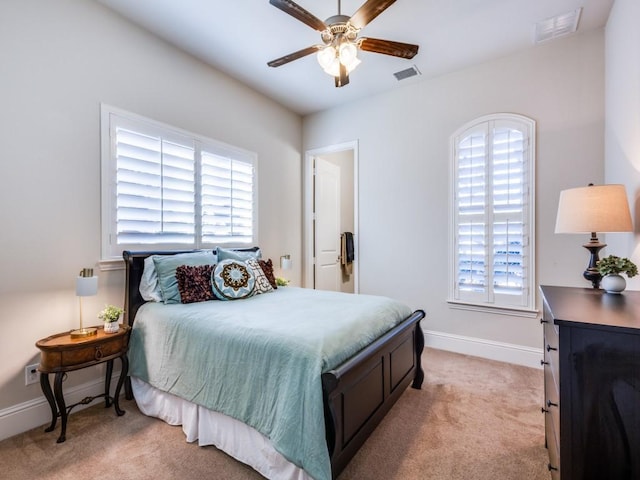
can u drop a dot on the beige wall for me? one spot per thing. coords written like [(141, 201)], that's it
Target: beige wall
[(58, 61), (622, 124), (404, 153)]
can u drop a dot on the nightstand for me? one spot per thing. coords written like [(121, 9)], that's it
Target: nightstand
[(60, 354)]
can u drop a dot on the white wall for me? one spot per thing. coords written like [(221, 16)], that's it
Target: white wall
[(404, 170), (622, 121), (58, 61)]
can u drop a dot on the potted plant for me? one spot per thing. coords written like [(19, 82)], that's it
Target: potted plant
[(610, 268), (110, 316)]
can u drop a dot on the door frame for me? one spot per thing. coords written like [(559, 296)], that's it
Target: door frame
[(308, 234)]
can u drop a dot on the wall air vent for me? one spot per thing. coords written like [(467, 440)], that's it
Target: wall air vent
[(557, 26), (407, 73)]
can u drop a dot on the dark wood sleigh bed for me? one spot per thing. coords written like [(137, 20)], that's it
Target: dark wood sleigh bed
[(357, 394)]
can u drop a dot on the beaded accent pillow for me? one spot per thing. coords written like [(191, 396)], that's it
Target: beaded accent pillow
[(194, 283), (267, 268), (262, 282), (232, 280)]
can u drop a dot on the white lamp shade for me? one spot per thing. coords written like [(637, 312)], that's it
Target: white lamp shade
[(597, 208), (86, 286)]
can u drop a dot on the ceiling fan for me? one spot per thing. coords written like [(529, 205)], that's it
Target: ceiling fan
[(338, 53)]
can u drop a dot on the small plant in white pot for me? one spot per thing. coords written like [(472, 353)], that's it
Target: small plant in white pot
[(610, 268), (110, 316)]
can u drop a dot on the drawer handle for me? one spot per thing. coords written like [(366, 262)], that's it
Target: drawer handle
[(543, 410), (549, 348), (542, 320), (551, 404), (551, 467), (98, 354), (542, 362)]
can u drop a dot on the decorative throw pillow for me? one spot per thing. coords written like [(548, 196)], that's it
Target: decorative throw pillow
[(267, 268), (166, 269), (241, 255), (262, 282), (232, 280), (194, 283), (149, 288)]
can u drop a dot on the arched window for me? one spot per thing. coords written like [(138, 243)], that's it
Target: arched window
[(492, 228)]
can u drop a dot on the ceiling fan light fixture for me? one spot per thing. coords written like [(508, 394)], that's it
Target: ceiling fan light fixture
[(326, 57), (348, 53)]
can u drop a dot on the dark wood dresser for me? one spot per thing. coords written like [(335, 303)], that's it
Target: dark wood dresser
[(592, 383)]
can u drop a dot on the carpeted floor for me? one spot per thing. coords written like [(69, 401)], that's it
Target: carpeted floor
[(474, 419)]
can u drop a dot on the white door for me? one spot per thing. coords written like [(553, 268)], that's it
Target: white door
[(327, 225)]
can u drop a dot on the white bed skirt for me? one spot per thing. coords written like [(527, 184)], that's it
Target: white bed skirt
[(233, 437)]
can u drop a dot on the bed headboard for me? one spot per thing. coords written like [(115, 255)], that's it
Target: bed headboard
[(134, 266)]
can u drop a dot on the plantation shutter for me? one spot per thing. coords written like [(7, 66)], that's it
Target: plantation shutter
[(492, 206), (227, 199), (165, 188), (155, 190)]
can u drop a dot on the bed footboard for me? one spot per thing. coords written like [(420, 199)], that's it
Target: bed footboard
[(360, 392)]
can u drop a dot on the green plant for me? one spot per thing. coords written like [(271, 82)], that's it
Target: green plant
[(282, 282), (616, 265), (111, 313)]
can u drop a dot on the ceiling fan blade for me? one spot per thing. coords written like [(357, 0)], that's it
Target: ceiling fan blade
[(367, 12), (387, 47), (343, 78), (293, 56), (296, 11)]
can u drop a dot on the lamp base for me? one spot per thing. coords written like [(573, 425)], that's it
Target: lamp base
[(84, 332), (591, 273)]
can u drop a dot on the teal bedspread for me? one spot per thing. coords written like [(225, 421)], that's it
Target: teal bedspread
[(259, 360)]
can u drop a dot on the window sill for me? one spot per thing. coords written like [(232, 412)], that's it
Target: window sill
[(498, 310), (111, 264)]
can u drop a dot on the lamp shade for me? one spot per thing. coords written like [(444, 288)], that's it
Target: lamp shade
[(596, 208), (86, 286)]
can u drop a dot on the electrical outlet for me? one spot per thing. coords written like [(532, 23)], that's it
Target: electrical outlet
[(31, 374)]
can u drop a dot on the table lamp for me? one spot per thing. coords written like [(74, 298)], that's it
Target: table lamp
[(86, 286), (592, 209)]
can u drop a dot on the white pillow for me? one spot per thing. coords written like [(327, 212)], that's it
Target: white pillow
[(149, 288)]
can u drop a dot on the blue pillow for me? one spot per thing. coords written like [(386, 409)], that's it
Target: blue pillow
[(166, 270), (232, 280), (240, 255)]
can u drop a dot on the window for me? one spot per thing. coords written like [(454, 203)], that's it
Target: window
[(492, 258), (166, 188)]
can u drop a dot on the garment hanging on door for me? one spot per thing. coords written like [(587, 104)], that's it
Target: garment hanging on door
[(347, 255)]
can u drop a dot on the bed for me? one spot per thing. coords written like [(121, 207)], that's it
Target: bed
[(355, 392)]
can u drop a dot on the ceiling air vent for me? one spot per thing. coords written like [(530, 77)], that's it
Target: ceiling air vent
[(407, 73), (557, 26)]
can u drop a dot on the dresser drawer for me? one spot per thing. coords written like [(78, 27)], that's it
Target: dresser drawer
[(551, 345)]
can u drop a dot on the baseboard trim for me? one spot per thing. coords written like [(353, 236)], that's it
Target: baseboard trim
[(478, 347), (34, 413)]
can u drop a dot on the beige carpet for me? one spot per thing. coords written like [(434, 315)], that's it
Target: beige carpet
[(474, 419)]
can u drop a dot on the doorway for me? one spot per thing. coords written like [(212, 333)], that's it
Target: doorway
[(331, 209)]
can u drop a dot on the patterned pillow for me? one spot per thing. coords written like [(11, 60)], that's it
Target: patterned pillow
[(194, 283), (267, 268), (262, 282), (232, 280)]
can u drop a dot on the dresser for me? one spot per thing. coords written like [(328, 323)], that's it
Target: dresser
[(591, 383)]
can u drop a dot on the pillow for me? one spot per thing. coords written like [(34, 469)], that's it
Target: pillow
[(232, 280), (194, 283), (241, 255), (262, 282), (166, 269), (149, 288), (267, 268)]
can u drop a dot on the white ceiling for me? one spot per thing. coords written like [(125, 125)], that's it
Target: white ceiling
[(239, 37)]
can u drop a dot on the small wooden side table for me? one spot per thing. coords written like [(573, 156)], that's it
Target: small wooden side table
[(60, 354)]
